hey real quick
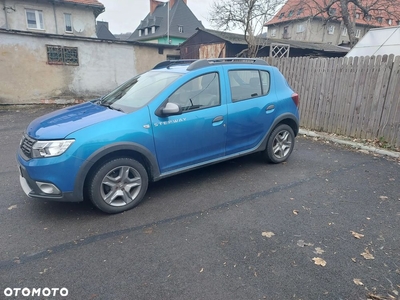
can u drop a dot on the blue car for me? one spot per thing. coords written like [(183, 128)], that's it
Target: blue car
[(179, 116)]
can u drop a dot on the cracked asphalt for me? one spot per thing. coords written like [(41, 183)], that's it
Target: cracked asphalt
[(242, 229)]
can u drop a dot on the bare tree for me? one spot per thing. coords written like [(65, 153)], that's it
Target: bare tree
[(371, 12), (246, 15)]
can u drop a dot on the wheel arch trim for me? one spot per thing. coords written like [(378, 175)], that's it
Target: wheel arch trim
[(109, 149)]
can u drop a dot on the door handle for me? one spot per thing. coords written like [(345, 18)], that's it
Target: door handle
[(270, 107), (218, 119)]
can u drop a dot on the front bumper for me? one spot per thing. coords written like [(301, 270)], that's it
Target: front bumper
[(32, 190)]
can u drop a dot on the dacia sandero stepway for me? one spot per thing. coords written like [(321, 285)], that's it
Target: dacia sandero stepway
[(179, 116)]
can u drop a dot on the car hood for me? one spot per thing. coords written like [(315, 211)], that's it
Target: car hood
[(61, 123)]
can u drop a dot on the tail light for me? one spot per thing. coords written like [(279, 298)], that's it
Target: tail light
[(295, 98)]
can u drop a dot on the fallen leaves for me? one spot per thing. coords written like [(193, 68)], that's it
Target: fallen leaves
[(357, 235), (12, 207), (358, 281), (267, 234), (301, 243), (367, 255), (383, 197), (295, 212), (318, 250), (319, 261)]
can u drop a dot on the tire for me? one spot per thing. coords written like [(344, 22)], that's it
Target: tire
[(120, 184), (280, 144)]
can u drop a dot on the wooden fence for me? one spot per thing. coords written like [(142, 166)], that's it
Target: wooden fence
[(357, 97)]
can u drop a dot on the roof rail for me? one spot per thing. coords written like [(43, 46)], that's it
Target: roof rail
[(201, 63), (168, 63)]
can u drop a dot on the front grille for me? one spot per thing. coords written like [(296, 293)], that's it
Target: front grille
[(26, 145)]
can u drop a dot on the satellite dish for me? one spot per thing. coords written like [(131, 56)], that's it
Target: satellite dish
[(78, 26)]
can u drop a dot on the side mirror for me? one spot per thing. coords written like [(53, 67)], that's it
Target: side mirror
[(170, 109)]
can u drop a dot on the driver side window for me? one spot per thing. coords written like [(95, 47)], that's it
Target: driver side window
[(198, 93)]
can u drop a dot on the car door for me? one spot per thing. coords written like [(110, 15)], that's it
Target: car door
[(251, 108), (197, 135)]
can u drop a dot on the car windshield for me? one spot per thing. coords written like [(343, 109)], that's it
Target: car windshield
[(138, 91)]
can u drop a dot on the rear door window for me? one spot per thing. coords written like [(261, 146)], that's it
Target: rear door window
[(247, 84)]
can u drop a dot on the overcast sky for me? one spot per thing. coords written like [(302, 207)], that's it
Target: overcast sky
[(125, 15)]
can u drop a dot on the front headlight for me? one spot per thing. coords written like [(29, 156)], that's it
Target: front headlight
[(50, 148)]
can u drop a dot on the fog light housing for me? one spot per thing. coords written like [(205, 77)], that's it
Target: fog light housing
[(48, 188)]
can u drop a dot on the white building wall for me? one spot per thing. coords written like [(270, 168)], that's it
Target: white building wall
[(53, 17), (315, 31), (26, 76)]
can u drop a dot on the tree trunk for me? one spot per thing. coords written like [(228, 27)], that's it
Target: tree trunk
[(347, 22)]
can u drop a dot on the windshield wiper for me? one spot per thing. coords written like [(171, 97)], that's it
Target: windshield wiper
[(111, 107)]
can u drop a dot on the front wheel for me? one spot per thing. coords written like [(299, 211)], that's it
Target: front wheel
[(280, 144), (120, 184)]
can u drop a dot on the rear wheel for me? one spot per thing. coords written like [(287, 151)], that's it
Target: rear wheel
[(120, 184), (280, 144)]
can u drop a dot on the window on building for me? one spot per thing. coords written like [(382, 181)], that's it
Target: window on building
[(332, 11), (331, 29), (379, 19), (34, 19), (146, 31), (367, 17), (180, 28), (358, 33), (291, 13), (68, 22), (273, 32), (398, 22), (344, 31), (357, 15), (300, 28), (300, 11), (59, 55), (140, 32), (281, 15), (390, 21), (153, 29)]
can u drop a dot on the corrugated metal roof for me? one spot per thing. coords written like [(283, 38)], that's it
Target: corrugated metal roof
[(235, 38)]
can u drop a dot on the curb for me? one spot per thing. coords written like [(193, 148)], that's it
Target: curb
[(361, 146)]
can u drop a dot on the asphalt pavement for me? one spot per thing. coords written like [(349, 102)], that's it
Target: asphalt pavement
[(323, 225)]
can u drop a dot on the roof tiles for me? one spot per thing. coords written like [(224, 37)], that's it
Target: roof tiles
[(86, 2), (300, 9)]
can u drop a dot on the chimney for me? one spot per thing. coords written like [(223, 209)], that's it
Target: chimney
[(172, 2), (155, 3)]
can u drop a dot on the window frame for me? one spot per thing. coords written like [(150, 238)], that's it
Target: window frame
[(358, 33), (65, 23), (38, 15), (58, 55), (263, 93), (201, 107), (331, 29), (273, 32), (344, 31), (300, 28)]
